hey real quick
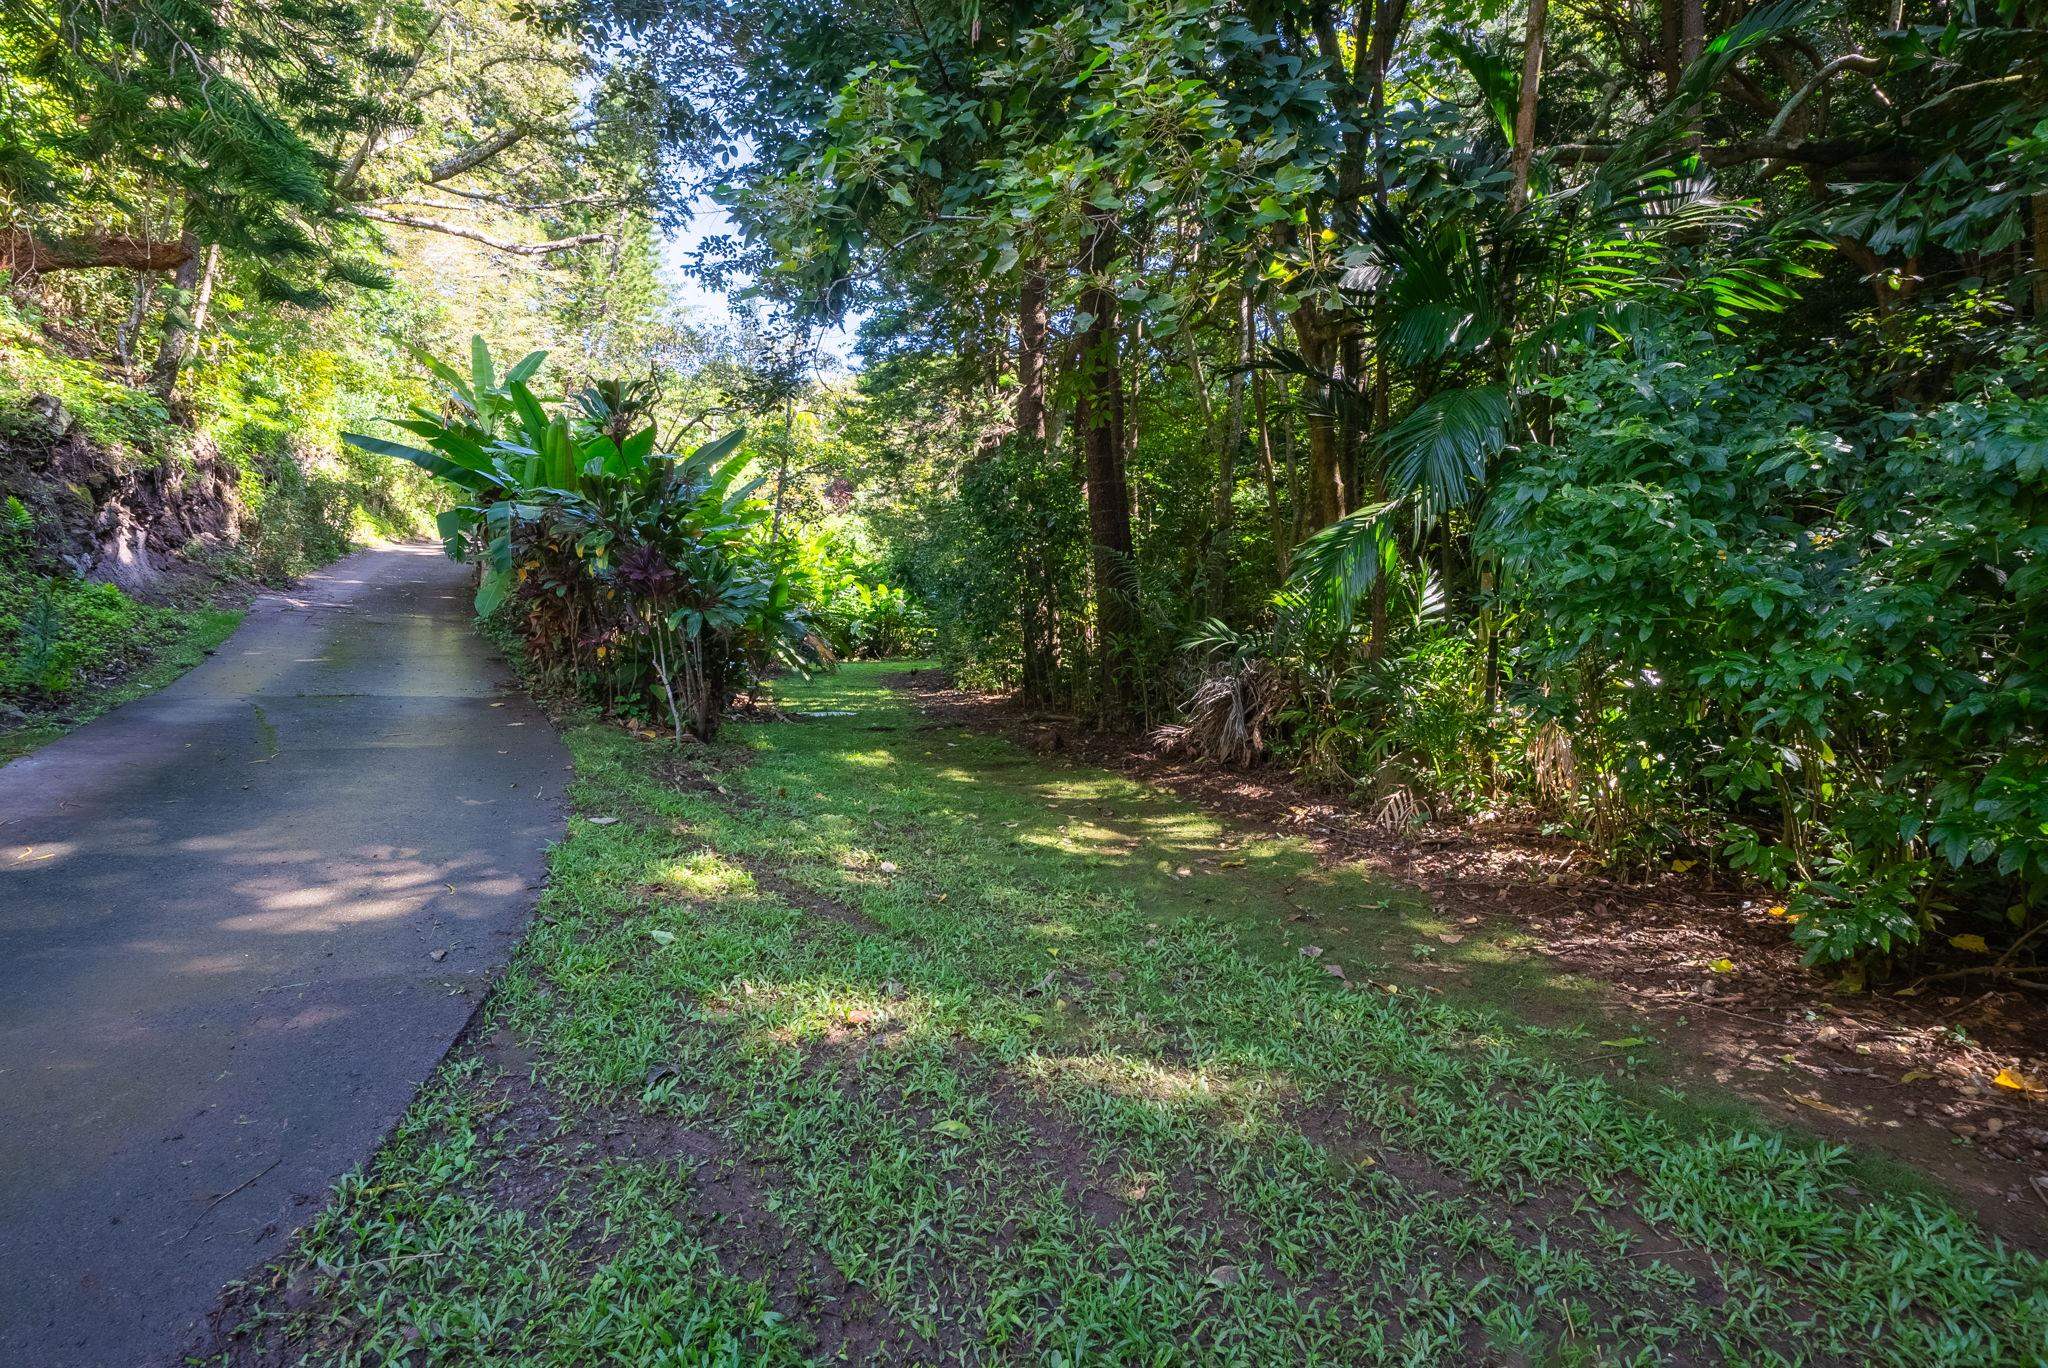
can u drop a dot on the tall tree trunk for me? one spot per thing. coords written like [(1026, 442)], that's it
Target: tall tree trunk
[(1525, 110), (1100, 420), (1035, 605), (1282, 545), (1228, 439), (1387, 19), (1668, 64), (1382, 412), (1692, 31), (2041, 256), (1032, 330), (138, 314), (185, 318), (1325, 494), (1233, 421)]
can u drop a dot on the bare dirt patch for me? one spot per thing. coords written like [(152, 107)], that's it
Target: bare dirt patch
[(1907, 1075)]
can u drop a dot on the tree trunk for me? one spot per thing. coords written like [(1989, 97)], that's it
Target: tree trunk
[(138, 314), (185, 318), (23, 253), (1382, 407), (1388, 16), (1525, 111), (1667, 46), (1100, 420), (1032, 330), (2041, 256), (1233, 439), (1325, 494), (1281, 543), (1037, 628)]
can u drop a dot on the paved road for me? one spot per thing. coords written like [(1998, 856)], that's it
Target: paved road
[(220, 908)]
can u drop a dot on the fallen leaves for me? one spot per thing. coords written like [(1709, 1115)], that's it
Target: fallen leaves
[(1972, 942), (1722, 966), (2017, 1081), (951, 1128), (1813, 1100)]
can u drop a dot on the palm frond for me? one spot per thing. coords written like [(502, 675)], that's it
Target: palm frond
[(1439, 450), (1339, 564)]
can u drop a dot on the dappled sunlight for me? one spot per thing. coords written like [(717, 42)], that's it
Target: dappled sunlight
[(1147, 1080), (702, 874), (963, 1029), (202, 964)]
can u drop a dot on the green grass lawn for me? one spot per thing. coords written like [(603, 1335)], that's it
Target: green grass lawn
[(856, 1038)]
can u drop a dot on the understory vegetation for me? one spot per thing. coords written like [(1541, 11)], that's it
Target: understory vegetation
[(859, 1037), (71, 648), (1628, 420)]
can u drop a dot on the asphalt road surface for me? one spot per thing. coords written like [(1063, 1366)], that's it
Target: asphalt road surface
[(241, 920)]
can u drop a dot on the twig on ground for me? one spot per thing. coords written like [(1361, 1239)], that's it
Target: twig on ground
[(246, 1183)]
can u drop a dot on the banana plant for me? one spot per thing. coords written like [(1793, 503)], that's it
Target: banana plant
[(658, 561), (513, 463)]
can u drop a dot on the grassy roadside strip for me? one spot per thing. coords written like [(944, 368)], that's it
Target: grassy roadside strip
[(169, 642), (860, 1040)]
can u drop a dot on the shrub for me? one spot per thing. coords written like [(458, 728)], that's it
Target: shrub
[(1803, 624), (635, 576)]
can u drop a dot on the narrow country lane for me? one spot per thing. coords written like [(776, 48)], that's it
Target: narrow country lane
[(240, 921)]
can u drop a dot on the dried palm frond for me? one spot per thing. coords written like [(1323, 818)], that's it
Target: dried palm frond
[(1399, 810), (1553, 763), (1227, 716)]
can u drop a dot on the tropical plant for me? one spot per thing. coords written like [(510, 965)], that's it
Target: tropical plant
[(642, 572)]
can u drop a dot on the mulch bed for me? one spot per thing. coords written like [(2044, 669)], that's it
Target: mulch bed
[(1903, 1069)]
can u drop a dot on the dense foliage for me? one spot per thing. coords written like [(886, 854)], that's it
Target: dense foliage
[(221, 225), (1629, 415), (1626, 417), (633, 575)]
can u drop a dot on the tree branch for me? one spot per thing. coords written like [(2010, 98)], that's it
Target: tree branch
[(479, 153), (1855, 61), (470, 234), (25, 253), (1855, 160)]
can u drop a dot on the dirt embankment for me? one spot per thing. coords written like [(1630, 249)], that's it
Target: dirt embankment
[(108, 514)]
